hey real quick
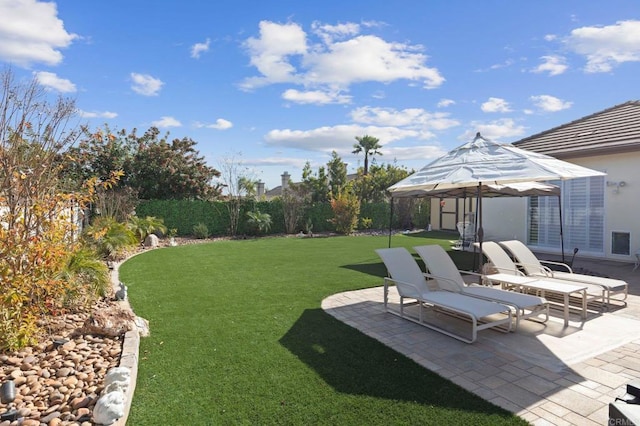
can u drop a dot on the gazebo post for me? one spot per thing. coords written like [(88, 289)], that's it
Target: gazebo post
[(561, 234), (390, 219)]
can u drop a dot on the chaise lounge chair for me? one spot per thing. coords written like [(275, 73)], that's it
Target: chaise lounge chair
[(411, 284), (534, 267), (510, 276), (448, 277)]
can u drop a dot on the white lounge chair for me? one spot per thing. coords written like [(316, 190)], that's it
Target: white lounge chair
[(510, 276), (534, 267), (411, 284), (447, 276)]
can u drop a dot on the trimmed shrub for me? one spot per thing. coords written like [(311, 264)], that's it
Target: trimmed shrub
[(201, 231)]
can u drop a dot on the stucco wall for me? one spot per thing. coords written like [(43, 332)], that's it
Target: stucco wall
[(622, 203)]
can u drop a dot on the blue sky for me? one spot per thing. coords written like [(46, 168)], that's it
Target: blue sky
[(274, 84)]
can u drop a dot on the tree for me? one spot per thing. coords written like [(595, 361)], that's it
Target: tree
[(372, 188), (370, 146), (153, 167), (337, 173), (171, 170), (98, 154), (248, 186), (316, 185), (234, 178), (294, 201)]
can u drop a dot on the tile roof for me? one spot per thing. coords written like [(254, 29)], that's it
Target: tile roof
[(613, 130)]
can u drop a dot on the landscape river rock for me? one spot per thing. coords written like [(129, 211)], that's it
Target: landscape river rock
[(59, 381)]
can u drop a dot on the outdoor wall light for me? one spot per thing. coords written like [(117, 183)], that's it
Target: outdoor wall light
[(7, 396), (618, 185)]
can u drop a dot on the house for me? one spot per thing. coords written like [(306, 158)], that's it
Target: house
[(277, 191), (286, 180), (600, 214)]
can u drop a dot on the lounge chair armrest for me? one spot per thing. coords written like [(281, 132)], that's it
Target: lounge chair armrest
[(406, 289), (509, 271), (564, 265), (543, 269), (476, 274)]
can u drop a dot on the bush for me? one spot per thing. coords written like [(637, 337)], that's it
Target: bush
[(201, 231), (143, 227), (109, 238), (366, 223), (346, 208), (259, 222), (87, 276)]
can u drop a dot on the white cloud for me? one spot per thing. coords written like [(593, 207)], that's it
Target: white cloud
[(276, 161), (554, 65), (166, 122), (318, 97), (30, 32), (550, 37), (412, 118), (269, 53), (144, 84), (199, 48), (336, 138), (52, 82), (608, 46), (341, 64), (220, 124), (411, 153), (281, 54), (549, 103), (496, 130), (97, 114), (330, 32), (495, 105), (443, 103)]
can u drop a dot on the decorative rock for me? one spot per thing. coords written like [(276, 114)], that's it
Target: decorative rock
[(151, 241), (143, 327), (50, 417), (118, 374), (14, 360), (31, 422), (63, 372), (70, 382), (114, 322), (55, 422), (80, 402), (109, 408)]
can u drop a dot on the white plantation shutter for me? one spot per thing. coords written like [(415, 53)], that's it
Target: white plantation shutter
[(582, 215)]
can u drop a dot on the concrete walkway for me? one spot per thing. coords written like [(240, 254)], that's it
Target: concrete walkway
[(547, 374)]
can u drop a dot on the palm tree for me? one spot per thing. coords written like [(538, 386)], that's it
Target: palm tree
[(369, 145)]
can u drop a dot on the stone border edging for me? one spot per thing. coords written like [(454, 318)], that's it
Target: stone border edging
[(129, 359), (130, 349)]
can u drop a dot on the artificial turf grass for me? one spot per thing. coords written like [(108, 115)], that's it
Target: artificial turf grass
[(238, 337)]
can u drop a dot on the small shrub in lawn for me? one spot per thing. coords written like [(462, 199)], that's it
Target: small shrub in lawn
[(201, 231), (366, 223), (259, 222)]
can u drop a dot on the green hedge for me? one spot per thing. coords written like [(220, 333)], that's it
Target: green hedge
[(184, 214)]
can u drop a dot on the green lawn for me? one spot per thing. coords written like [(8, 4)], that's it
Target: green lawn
[(238, 337)]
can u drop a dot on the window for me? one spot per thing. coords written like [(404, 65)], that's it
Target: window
[(582, 216)]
